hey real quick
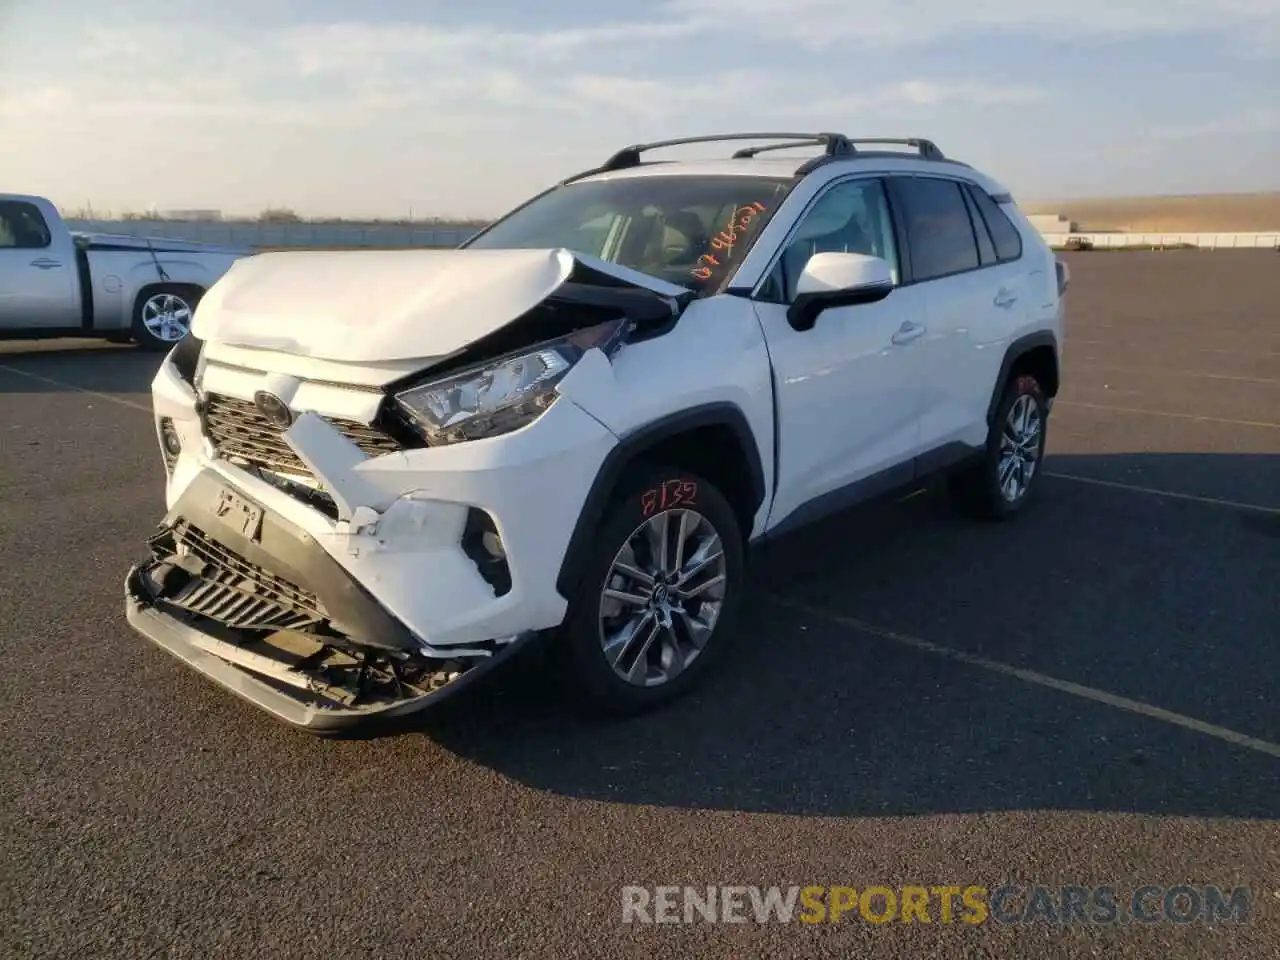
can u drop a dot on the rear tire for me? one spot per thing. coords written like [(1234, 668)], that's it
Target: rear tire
[(1001, 484), (625, 656), (162, 315)]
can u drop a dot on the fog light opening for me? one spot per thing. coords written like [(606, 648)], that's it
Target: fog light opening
[(483, 544), (170, 442)]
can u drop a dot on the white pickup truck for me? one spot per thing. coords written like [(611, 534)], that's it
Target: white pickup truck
[(56, 283)]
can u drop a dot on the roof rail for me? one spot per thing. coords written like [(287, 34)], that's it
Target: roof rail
[(835, 146), (630, 156), (928, 149)]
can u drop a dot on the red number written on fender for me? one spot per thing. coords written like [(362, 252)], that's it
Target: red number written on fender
[(671, 493)]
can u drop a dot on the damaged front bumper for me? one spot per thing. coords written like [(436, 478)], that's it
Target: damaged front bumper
[(395, 578), (251, 601)]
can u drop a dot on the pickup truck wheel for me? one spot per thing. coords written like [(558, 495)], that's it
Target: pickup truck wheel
[(1000, 485), (659, 593), (162, 316)]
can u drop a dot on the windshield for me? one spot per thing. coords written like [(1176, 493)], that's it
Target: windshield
[(688, 230)]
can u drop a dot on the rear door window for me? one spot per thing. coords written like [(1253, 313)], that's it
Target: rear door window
[(1004, 234), (940, 235), (986, 250)]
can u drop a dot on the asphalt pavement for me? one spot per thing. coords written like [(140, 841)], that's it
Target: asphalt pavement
[(1085, 697)]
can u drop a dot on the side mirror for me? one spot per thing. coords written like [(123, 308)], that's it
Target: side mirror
[(837, 280)]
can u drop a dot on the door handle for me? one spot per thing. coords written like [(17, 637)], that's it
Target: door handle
[(909, 331), (44, 263), (1005, 298)]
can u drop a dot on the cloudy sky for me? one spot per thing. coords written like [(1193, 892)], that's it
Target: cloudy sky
[(385, 106)]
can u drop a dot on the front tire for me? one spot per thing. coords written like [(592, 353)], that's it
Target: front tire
[(1001, 484), (661, 590), (162, 316)]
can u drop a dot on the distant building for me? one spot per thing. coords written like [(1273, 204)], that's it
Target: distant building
[(198, 216), (1052, 223)]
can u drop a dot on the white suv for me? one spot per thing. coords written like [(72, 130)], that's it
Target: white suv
[(387, 470)]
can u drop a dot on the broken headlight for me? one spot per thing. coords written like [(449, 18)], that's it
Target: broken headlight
[(503, 394), (188, 358)]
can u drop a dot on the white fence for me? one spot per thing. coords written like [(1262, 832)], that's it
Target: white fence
[(253, 234), (1209, 241)]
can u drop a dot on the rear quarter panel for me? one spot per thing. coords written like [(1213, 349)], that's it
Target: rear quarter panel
[(1039, 309), (1044, 306)]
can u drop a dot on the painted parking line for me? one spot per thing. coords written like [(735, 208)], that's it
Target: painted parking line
[(1156, 492), (1034, 677), (1166, 413), (121, 401)]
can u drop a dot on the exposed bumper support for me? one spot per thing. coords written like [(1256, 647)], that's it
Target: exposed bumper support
[(289, 694), (271, 542), (253, 602)]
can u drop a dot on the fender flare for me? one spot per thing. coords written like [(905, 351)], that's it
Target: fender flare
[(1015, 350), (633, 446)]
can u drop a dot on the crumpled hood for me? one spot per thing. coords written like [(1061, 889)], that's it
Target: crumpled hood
[(362, 306)]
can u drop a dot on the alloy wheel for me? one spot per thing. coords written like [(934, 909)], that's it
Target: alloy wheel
[(167, 317), (1019, 448), (662, 597)]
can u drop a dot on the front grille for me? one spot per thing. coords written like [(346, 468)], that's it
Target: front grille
[(240, 594), (239, 431)]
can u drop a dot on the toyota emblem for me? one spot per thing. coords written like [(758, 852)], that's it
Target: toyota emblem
[(273, 408)]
